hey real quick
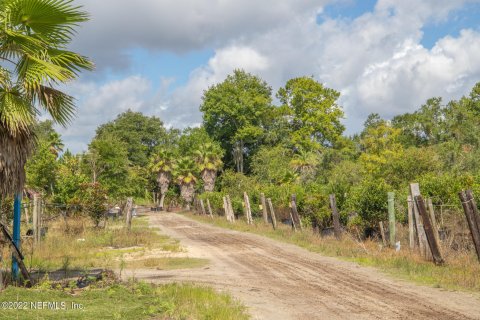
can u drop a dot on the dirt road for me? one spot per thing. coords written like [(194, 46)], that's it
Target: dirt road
[(282, 281)]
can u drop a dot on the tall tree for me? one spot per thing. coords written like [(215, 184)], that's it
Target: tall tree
[(34, 35), (235, 112), (185, 173), (140, 133), (311, 112), (108, 157), (209, 159), (162, 164)]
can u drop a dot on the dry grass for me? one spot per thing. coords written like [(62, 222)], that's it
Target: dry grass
[(81, 247), (461, 271), (167, 263)]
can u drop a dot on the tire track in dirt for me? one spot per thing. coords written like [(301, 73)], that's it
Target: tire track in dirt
[(281, 281)]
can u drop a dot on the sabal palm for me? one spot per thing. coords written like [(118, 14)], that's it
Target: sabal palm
[(162, 164), (208, 157), (56, 144), (34, 35), (304, 162), (185, 170)]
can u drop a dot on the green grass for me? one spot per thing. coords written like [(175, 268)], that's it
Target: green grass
[(132, 301), (461, 272)]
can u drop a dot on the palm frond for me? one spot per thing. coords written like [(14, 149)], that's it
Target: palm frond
[(49, 20), (16, 112), (59, 105)]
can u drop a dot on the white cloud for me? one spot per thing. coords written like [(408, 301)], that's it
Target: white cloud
[(179, 26), (99, 104), (375, 60)]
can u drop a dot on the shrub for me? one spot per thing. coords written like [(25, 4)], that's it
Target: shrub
[(369, 200), (94, 201)]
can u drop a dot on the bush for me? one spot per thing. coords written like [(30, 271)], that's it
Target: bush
[(369, 200), (94, 201)]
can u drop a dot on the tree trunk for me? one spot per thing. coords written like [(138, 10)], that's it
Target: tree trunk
[(208, 177), (187, 192), (162, 200), (14, 152)]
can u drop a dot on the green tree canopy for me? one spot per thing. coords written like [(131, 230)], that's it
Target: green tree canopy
[(235, 113), (140, 133), (312, 113)]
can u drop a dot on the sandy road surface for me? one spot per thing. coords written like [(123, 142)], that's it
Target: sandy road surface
[(282, 281)]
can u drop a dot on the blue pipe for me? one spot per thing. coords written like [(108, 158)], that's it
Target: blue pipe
[(17, 206)]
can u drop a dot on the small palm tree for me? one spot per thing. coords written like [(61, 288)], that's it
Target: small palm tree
[(162, 164), (209, 160), (304, 162), (185, 176), (56, 143), (34, 35)]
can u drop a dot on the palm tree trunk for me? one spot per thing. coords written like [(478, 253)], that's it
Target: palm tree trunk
[(14, 152)]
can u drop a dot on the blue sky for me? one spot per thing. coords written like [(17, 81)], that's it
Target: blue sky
[(157, 56)]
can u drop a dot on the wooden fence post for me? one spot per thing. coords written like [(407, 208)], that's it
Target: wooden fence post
[(272, 214), (411, 228), (422, 238), (434, 220), (294, 210), (429, 231), (128, 213), (209, 207), (27, 215), (336, 217), (230, 209), (382, 232), (264, 208), (248, 209), (469, 214), (226, 209), (391, 218), (203, 207), (37, 218), (473, 205), (294, 227)]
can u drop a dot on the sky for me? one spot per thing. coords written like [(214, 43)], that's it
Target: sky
[(158, 56)]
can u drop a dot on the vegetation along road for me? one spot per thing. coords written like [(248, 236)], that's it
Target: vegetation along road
[(281, 281)]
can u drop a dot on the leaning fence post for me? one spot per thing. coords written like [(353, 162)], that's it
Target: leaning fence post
[(429, 231), (469, 214), (422, 239), (473, 205), (209, 207), (272, 214), (391, 217), (202, 205), (382, 232), (296, 216), (336, 217)]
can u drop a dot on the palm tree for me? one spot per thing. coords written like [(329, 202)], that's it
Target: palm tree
[(56, 143), (34, 35), (209, 160), (162, 164), (186, 179), (304, 162)]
